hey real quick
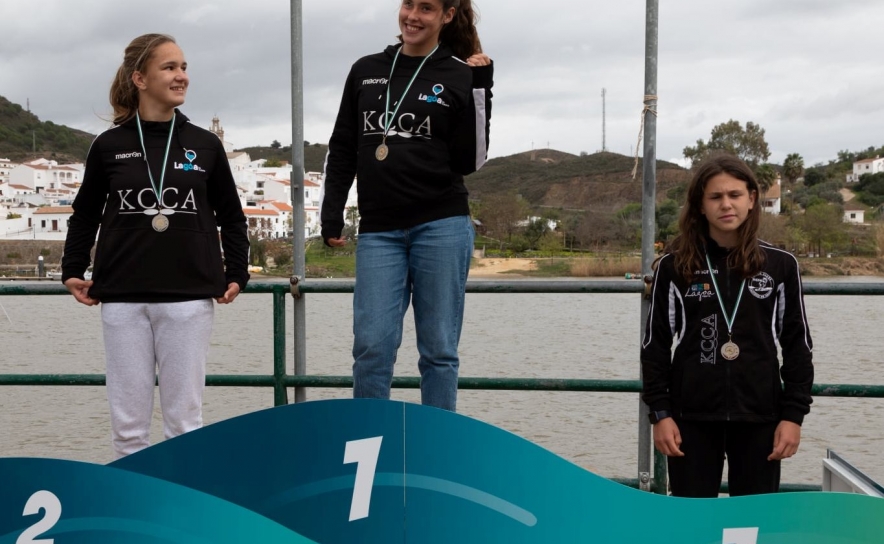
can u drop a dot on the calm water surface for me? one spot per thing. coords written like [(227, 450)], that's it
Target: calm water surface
[(515, 335)]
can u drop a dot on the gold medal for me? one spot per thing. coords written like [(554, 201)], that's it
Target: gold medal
[(159, 222), (730, 351), (381, 152)]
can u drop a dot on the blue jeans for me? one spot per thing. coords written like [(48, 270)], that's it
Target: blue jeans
[(426, 265)]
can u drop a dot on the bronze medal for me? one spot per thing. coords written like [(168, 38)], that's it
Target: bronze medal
[(381, 152), (730, 351)]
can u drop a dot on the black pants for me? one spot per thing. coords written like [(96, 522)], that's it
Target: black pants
[(705, 445)]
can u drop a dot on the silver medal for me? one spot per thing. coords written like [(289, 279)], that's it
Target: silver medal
[(159, 223)]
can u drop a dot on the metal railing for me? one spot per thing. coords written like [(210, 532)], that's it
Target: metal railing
[(280, 380)]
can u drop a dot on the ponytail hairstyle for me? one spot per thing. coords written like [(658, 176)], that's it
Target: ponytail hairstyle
[(689, 246), (460, 34), (123, 92)]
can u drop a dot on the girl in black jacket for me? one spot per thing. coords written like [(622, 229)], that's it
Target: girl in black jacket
[(413, 122), (728, 301), (160, 188)]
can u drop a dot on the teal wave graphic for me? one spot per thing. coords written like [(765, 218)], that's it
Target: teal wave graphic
[(408, 481), (96, 526)]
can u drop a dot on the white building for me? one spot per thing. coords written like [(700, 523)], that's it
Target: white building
[(51, 222), (771, 202), (6, 167), (285, 212), (239, 160), (854, 212), (865, 166), (45, 175), (265, 223)]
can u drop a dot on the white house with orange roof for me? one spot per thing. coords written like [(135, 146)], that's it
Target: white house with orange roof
[(865, 166), (45, 175), (277, 188), (285, 212), (16, 191), (265, 223), (51, 222)]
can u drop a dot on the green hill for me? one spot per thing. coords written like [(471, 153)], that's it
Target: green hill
[(22, 131), (314, 155), (550, 178)]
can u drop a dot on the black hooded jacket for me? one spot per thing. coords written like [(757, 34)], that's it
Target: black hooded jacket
[(438, 135)]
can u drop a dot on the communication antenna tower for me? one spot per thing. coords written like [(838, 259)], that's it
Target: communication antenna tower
[(604, 146)]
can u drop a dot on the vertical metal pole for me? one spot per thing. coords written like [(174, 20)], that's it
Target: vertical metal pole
[(297, 184), (649, 176), (280, 395)]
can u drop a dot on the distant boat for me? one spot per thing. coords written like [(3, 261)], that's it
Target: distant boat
[(56, 274)]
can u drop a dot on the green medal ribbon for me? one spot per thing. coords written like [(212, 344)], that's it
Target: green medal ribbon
[(389, 120), (158, 192), (728, 319)]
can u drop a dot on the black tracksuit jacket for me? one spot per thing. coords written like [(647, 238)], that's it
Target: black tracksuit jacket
[(696, 382)]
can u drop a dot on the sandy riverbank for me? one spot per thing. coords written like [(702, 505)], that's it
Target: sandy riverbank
[(490, 267)]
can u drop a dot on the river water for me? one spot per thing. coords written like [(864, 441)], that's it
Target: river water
[(594, 336)]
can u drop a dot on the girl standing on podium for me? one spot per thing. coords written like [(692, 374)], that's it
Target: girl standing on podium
[(730, 300)]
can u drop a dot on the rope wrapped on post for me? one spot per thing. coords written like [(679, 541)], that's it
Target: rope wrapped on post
[(648, 108)]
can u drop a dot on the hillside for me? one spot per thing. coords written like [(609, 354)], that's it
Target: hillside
[(555, 179), (21, 130), (544, 177)]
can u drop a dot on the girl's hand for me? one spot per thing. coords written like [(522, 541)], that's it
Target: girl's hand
[(80, 289), (479, 59), (667, 437), (336, 242), (786, 440), (232, 291)]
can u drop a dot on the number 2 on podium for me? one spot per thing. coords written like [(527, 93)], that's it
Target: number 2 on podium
[(365, 454), (51, 506)]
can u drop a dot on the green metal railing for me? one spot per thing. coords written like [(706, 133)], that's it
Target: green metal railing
[(280, 380)]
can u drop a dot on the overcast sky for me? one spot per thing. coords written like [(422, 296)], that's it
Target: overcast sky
[(805, 70)]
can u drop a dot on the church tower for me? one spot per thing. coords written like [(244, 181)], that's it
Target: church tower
[(216, 129)]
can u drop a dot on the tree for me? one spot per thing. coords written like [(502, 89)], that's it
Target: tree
[(536, 229), (766, 175), (813, 177), (501, 212), (823, 225), (748, 144), (793, 167), (667, 219), (275, 144), (628, 224)]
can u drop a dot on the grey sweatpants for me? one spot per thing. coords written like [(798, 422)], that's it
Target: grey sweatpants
[(141, 341)]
